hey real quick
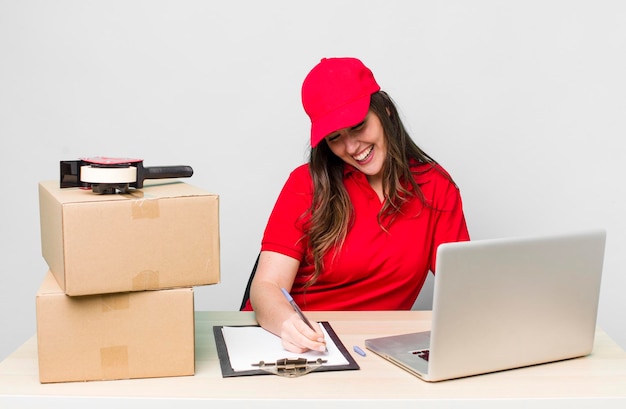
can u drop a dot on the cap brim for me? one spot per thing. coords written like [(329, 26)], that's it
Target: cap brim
[(346, 116)]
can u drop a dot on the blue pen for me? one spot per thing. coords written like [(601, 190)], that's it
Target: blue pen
[(298, 311), (296, 308)]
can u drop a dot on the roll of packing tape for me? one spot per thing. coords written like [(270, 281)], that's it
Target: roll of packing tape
[(90, 174)]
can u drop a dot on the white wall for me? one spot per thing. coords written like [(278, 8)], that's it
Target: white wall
[(522, 101)]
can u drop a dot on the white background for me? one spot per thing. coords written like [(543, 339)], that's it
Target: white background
[(524, 102)]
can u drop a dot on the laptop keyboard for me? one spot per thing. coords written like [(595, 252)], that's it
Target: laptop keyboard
[(422, 353)]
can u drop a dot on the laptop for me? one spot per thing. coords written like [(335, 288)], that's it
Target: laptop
[(500, 304)]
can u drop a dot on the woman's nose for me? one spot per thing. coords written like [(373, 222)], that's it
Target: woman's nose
[(351, 143)]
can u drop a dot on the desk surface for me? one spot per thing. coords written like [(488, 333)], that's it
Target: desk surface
[(600, 377)]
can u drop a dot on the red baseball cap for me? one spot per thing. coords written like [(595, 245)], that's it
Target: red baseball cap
[(336, 94)]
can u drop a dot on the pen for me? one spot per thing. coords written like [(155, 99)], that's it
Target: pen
[(296, 308)]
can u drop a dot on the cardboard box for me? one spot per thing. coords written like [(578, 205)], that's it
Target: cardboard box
[(141, 334), (165, 235)]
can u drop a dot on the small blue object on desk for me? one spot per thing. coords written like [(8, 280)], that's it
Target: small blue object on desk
[(358, 350)]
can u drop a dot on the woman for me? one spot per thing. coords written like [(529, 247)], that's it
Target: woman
[(357, 228)]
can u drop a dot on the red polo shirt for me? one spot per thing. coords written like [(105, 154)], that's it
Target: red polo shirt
[(375, 269)]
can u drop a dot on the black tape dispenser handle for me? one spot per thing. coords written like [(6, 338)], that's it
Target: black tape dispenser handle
[(161, 172)]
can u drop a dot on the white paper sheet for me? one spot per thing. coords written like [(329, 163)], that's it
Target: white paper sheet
[(249, 345)]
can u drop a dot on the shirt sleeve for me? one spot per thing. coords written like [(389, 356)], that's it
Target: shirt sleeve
[(450, 225), (284, 232)]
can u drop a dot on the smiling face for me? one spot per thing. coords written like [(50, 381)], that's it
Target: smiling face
[(363, 146)]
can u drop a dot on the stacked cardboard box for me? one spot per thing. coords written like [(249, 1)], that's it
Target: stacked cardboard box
[(117, 301)]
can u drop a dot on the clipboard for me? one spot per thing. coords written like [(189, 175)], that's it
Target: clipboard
[(227, 367)]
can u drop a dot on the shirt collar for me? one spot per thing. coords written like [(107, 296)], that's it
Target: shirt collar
[(419, 168)]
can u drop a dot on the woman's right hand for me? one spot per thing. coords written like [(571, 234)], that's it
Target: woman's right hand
[(297, 337), (273, 312)]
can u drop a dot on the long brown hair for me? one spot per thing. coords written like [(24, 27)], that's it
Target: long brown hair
[(331, 209)]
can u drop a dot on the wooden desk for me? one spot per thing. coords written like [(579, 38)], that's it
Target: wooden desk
[(598, 380)]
